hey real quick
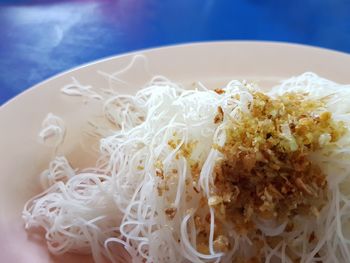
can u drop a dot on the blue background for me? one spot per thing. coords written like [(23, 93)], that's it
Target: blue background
[(41, 38)]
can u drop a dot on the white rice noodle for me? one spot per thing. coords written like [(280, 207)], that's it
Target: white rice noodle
[(94, 212), (52, 132)]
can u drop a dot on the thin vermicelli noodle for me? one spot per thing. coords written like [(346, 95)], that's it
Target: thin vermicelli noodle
[(154, 190)]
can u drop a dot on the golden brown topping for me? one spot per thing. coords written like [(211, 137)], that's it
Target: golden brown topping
[(171, 212), (219, 116), (187, 149), (198, 221), (219, 91), (200, 225), (207, 218), (195, 169), (221, 244), (266, 171), (203, 248), (160, 173), (325, 116), (173, 143), (158, 165), (161, 187), (160, 190), (249, 161), (214, 200), (305, 188)]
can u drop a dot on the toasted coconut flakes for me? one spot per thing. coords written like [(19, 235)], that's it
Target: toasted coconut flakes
[(171, 212)]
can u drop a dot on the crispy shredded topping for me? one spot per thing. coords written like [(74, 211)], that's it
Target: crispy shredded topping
[(266, 167), (219, 91), (170, 212), (266, 171), (221, 244), (219, 116)]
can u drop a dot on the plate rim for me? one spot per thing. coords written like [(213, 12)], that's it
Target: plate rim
[(174, 46)]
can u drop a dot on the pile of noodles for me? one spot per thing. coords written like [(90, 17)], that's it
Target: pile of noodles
[(116, 204)]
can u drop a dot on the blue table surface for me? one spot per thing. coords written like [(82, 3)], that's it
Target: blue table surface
[(42, 38)]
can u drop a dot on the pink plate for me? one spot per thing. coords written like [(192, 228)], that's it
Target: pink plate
[(22, 158)]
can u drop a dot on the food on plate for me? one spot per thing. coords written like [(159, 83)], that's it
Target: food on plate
[(232, 174)]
